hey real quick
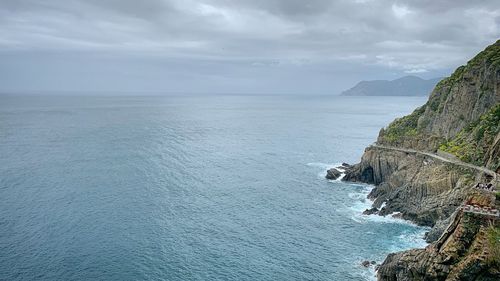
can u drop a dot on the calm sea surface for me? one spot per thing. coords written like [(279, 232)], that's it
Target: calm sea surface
[(206, 187)]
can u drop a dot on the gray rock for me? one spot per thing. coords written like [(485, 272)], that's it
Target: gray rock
[(437, 230), (403, 180), (333, 174), (397, 216), (370, 211), (460, 254)]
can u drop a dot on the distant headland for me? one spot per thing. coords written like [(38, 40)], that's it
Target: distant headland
[(404, 86)]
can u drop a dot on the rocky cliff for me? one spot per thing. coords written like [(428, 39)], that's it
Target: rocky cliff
[(469, 249), (456, 104), (460, 123)]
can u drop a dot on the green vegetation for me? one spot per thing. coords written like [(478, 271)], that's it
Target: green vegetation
[(493, 235), (470, 143), (490, 55), (403, 127), (455, 77), (468, 177), (471, 222), (467, 148)]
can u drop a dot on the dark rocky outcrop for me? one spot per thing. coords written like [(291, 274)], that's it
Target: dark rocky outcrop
[(424, 191), (333, 174), (346, 166), (370, 211), (368, 263), (438, 229)]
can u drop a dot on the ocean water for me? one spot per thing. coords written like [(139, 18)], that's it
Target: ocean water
[(193, 187)]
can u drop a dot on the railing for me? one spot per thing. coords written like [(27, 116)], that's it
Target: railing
[(480, 210)]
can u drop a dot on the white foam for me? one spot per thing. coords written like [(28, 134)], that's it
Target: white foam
[(342, 171), (325, 167), (369, 273), (362, 203), (380, 219), (412, 238)]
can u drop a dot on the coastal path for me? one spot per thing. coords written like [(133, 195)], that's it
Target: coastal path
[(485, 211), (440, 158)]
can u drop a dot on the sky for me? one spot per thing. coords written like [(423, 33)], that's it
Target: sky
[(234, 46)]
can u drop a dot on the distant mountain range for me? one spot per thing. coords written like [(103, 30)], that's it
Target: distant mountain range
[(404, 86)]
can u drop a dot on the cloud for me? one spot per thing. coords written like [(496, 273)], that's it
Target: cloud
[(400, 11), (390, 36), (416, 70)]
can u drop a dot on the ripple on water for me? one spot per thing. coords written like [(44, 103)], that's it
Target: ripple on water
[(189, 187)]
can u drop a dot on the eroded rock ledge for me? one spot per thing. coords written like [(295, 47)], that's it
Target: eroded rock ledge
[(467, 250), (430, 193), (423, 190)]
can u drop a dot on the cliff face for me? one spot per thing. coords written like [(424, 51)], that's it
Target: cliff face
[(468, 250), (422, 189), (478, 143), (410, 168), (456, 103)]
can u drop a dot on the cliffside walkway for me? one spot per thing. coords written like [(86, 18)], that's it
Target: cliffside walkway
[(440, 158), (485, 211)]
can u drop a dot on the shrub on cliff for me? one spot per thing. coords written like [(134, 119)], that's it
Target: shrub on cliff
[(471, 143), (403, 127), (493, 235)]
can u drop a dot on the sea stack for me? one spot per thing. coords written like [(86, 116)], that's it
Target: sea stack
[(333, 174)]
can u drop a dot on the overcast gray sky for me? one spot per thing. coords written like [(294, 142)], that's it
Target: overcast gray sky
[(235, 46)]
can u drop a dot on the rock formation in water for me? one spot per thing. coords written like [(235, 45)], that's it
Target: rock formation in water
[(425, 166), (333, 174)]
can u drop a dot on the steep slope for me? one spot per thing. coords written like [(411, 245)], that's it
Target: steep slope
[(455, 103), (459, 122), (404, 86), (478, 143), (469, 249)]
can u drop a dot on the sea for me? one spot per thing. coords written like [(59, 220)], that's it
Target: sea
[(191, 187)]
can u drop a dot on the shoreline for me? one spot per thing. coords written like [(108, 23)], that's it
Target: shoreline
[(361, 202)]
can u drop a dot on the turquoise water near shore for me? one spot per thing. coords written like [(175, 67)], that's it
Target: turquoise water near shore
[(193, 187)]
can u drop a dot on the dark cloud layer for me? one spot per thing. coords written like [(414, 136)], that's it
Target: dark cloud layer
[(234, 46)]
